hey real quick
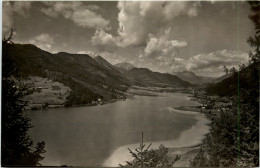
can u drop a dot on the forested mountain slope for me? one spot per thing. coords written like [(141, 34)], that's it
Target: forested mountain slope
[(88, 79), (146, 77)]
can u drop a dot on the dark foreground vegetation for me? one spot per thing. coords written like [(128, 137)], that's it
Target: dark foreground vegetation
[(233, 140), (16, 145), (145, 157)]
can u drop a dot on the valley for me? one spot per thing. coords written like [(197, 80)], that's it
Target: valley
[(87, 79)]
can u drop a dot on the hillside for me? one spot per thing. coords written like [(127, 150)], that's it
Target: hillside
[(105, 63), (222, 78), (47, 93), (88, 79), (192, 78), (146, 77), (246, 79)]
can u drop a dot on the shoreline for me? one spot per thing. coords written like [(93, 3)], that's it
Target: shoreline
[(189, 152), (133, 91), (79, 105), (189, 108), (129, 95), (183, 146)]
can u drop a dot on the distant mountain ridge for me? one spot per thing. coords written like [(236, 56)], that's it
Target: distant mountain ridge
[(192, 78), (146, 77), (105, 63)]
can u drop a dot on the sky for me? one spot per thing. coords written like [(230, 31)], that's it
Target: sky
[(171, 36)]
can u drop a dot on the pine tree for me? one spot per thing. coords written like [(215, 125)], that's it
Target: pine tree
[(254, 41), (143, 157), (16, 143)]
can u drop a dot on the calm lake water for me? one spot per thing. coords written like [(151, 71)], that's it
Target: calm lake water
[(100, 135)]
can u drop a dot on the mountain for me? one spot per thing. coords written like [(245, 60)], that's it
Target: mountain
[(222, 78), (124, 66), (246, 79), (192, 78), (88, 78), (105, 63), (146, 77)]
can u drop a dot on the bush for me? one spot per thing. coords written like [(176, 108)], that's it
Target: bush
[(143, 157)]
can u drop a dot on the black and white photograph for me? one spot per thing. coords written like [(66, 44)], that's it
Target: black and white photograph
[(130, 83)]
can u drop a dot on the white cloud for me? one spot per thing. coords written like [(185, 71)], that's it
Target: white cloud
[(80, 14), (178, 59), (43, 41), (193, 11), (112, 58), (90, 53), (141, 20), (178, 44), (87, 18), (162, 49), (216, 59), (44, 38), (207, 64), (93, 7), (82, 52), (210, 63), (102, 38), (9, 9), (103, 41)]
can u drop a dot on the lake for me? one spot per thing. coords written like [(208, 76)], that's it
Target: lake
[(100, 135)]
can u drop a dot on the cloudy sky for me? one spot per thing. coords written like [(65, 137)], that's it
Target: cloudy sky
[(163, 36)]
